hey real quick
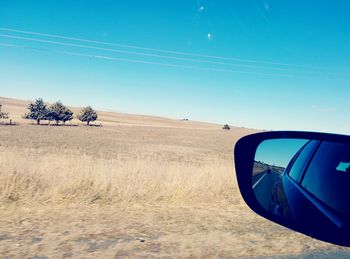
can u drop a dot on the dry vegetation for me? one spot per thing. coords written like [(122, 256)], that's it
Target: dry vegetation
[(138, 186)]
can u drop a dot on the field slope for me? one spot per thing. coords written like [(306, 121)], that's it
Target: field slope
[(139, 186)]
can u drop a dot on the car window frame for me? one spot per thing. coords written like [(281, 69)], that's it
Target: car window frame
[(307, 162), (329, 208)]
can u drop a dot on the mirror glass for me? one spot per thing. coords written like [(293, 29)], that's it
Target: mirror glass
[(305, 183)]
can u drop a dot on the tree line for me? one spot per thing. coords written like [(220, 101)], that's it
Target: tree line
[(57, 112)]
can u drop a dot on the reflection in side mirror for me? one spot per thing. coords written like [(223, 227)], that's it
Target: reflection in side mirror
[(271, 160), (302, 183)]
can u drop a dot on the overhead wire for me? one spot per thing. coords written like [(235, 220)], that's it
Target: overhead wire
[(158, 50), (200, 61), (138, 53), (144, 61)]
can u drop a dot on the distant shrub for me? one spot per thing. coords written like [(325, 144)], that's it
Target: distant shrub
[(3, 115), (87, 114), (59, 112), (226, 127), (37, 111)]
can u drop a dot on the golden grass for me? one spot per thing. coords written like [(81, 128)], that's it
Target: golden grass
[(131, 158), (140, 186), (29, 177)]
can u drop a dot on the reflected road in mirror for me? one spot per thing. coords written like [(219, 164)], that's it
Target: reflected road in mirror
[(305, 183), (271, 159)]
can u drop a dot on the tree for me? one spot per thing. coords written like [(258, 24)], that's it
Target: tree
[(3, 115), (37, 111), (58, 112), (87, 114), (67, 115)]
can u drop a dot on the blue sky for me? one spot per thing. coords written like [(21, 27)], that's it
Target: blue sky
[(252, 63)]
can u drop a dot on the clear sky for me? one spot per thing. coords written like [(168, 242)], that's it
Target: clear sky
[(252, 63)]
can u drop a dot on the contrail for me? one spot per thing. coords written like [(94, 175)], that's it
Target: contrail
[(158, 50)]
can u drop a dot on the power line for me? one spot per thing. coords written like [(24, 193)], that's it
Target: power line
[(139, 53), (173, 65), (145, 62), (167, 64), (158, 56), (158, 50)]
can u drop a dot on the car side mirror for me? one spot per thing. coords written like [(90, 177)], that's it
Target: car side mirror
[(300, 180)]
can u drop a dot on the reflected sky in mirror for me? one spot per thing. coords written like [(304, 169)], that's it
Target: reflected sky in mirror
[(278, 152)]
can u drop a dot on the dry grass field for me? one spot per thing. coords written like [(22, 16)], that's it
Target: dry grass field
[(140, 186)]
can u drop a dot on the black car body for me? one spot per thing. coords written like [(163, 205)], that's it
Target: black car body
[(313, 189)]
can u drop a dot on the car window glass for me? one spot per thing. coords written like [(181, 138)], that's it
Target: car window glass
[(328, 175), (300, 162)]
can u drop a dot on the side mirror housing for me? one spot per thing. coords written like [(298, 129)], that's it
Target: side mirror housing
[(300, 180)]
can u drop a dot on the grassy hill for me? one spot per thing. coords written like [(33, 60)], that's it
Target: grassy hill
[(140, 186)]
